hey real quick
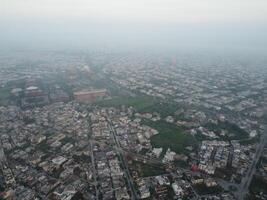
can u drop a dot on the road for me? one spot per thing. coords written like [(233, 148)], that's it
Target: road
[(246, 180), (134, 194), (157, 161), (94, 170), (242, 188)]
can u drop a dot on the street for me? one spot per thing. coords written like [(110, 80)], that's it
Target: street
[(124, 163)]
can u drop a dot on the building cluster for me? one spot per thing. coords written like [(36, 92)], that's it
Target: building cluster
[(110, 175), (232, 157), (55, 144), (46, 153), (90, 96), (258, 189), (222, 91)]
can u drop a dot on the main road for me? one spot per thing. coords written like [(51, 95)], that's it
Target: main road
[(124, 163), (94, 171), (246, 180)]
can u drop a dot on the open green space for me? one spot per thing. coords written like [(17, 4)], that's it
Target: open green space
[(170, 136), (66, 140), (146, 170), (258, 185), (139, 103), (164, 109), (4, 95), (43, 146), (249, 141), (204, 190), (142, 104), (234, 132)]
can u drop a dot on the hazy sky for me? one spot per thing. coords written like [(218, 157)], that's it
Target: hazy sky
[(134, 22), (140, 10)]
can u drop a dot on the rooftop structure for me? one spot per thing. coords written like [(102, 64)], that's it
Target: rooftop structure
[(89, 95)]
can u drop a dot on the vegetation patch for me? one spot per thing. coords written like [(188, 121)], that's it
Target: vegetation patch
[(139, 103), (4, 95), (249, 141), (170, 136), (234, 132), (202, 189), (258, 185), (146, 170), (164, 109)]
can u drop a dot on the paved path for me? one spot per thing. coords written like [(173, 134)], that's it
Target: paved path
[(134, 194), (94, 171), (246, 180)]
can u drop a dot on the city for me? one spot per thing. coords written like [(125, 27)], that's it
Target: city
[(133, 99), (138, 127)]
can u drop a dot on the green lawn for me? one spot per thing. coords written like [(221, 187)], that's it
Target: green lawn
[(139, 103), (4, 95), (146, 170), (234, 131), (249, 141), (164, 109), (142, 104), (170, 136), (258, 185), (204, 190)]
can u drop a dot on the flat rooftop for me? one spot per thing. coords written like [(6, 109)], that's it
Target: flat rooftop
[(82, 92)]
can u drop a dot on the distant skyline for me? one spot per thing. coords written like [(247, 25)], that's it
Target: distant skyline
[(134, 23)]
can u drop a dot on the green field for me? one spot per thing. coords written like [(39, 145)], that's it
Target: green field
[(4, 95), (139, 103), (204, 190), (142, 104), (249, 141), (146, 170), (234, 132), (170, 136), (164, 109), (258, 185)]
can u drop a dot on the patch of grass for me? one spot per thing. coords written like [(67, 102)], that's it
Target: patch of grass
[(146, 170), (67, 140), (180, 163), (139, 103), (164, 109), (43, 146), (234, 131), (142, 103), (4, 95), (249, 141), (204, 190), (170, 136), (258, 185)]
